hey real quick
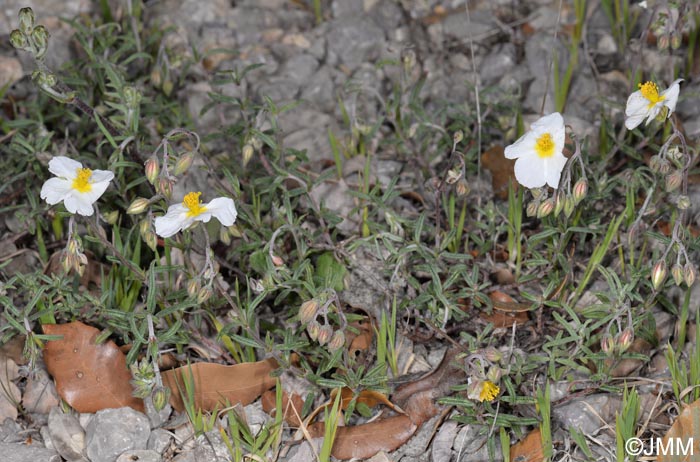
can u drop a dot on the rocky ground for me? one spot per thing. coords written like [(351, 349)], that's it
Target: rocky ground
[(492, 58)]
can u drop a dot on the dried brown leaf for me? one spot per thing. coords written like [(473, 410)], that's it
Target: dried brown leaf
[(292, 406), (501, 170), (217, 385), (529, 449), (685, 429), (88, 376)]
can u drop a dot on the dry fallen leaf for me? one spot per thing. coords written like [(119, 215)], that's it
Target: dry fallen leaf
[(685, 430), (529, 449), (217, 385), (501, 170), (365, 440), (370, 398), (506, 311), (88, 376), (10, 395), (292, 407)]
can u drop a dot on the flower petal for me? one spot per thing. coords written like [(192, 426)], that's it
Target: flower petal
[(636, 110), (96, 192), (99, 176), (173, 221), (523, 146), (529, 171), (77, 203), (552, 169), (64, 167), (55, 190), (224, 209), (671, 96), (653, 112), (548, 123)]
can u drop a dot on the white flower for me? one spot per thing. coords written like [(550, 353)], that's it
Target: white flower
[(539, 153), (182, 216), (647, 103), (76, 186)]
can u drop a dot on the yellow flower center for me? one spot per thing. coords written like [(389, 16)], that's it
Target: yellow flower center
[(489, 391), (192, 202), (651, 92), (544, 146), (81, 183)]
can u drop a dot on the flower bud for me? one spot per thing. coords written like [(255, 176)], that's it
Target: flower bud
[(256, 142), (658, 274), (462, 187), (545, 208), (168, 87), (689, 273), (26, 20), (277, 261), (248, 152), (674, 153), (324, 334), (165, 187), (494, 374), (607, 344), (412, 130), (192, 287), (683, 202), (559, 201), (139, 205), (161, 396), (132, 96), (313, 329), (224, 235), (659, 165), (663, 42), (580, 190), (537, 193), (235, 231), (531, 209), (674, 180), (203, 295), (337, 341), (676, 40), (625, 339), (111, 217), (152, 169), (183, 163), (458, 136), (257, 286), (19, 40), (40, 37), (308, 311), (492, 354), (569, 206), (677, 273)]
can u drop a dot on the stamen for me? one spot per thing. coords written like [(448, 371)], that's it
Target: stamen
[(544, 146), (651, 92), (192, 202), (81, 183)]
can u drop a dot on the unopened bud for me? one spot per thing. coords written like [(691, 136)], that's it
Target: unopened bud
[(689, 273), (277, 261), (151, 240), (545, 208), (139, 205), (580, 190), (111, 217), (40, 37), (412, 130), (663, 42), (531, 209), (69, 262), (453, 175), (192, 287), (324, 334), (492, 354), (165, 187), (337, 341), (248, 152), (132, 96), (168, 87), (462, 187), (569, 206), (313, 329), (235, 231), (203, 295), (676, 40), (458, 136), (658, 274), (256, 142), (677, 273), (607, 344), (257, 286), (156, 79), (183, 163), (659, 165), (683, 202), (674, 153), (537, 193), (674, 180), (161, 396), (625, 339), (308, 311), (494, 374), (559, 201), (152, 169), (224, 235), (19, 40), (26, 20)]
